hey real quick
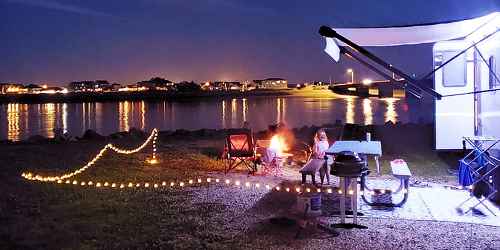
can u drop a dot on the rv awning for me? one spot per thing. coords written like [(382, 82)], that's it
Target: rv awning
[(393, 36)]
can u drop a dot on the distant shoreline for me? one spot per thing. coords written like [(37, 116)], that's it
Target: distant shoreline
[(153, 95)]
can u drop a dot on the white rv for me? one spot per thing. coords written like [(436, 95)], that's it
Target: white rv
[(457, 114), (475, 70)]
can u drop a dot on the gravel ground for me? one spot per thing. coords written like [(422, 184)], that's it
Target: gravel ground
[(245, 215), (47, 216)]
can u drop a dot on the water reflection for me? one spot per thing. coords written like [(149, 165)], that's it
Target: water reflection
[(280, 110), (13, 118), (123, 111), (49, 121), (245, 109), (65, 117), (224, 114), (391, 114), (143, 115), (19, 121), (349, 114), (234, 113), (367, 111)]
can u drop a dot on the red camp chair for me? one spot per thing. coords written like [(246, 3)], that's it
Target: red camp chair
[(239, 150)]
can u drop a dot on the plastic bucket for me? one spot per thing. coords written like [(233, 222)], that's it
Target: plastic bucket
[(311, 201)]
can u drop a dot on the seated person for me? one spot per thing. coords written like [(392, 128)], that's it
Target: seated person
[(317, 160)]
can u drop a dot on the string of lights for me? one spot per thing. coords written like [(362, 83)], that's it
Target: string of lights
[(36, 177), (64, 179), (191, 182)]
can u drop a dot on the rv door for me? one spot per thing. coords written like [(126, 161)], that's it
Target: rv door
[(454, 115)]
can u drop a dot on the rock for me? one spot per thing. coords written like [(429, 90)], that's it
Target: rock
[(181, 132), (6, 141), (36, 139), (92, 135), (118, 135), (135, 132)]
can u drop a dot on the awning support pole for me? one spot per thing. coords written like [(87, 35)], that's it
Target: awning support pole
[(329, 32)]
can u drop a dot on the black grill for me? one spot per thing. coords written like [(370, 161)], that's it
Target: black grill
[(348, 163)]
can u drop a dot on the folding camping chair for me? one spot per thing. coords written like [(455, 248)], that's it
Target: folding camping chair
[(272, 163), (239, 150)]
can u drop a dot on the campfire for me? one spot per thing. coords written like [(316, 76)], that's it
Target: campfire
[(278, 144)]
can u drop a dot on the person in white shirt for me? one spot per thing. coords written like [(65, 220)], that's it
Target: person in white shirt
[(318, 152)]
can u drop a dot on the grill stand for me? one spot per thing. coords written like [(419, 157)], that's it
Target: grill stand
[(348, 180)]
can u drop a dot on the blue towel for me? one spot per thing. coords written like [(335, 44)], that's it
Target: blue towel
[(464, 174)]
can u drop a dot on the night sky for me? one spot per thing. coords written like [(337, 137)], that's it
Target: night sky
[(124, 41)]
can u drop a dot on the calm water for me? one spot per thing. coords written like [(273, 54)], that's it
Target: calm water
[(19, 121)]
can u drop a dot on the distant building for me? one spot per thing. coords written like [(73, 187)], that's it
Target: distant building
[(89, 86), (227, 85), (271, 83), (33, 88), (11, 88), (52, 90), (157, 83)]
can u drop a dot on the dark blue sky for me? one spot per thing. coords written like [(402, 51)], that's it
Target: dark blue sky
[(59, 41)]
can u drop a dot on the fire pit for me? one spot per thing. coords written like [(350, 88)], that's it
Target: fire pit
[(273, 154)]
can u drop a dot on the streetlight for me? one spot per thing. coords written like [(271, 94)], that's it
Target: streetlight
[(352, 74), (367, 81)]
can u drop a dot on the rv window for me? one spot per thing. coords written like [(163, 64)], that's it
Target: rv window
[(454, 73), (493, 81)]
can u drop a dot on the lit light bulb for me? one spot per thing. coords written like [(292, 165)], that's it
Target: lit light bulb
[(268, 187), (190, 181), (318, 190), (297, 190), (340, 191), (287, 189), (181, 184), (113, 185), (98, 184), (106, 184), (351, 192), (90, 183), (237, 183), (247, 184), (172, 184), (199, 180), (209, 180), (217, 180), (257, 185), (163, 183), (278, 188), (75, 182), (228, 181), (130, 184), (308, 190), (122, 185), (146, 184), (155, 185)]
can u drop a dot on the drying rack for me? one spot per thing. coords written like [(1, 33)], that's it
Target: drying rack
[(481, 172)]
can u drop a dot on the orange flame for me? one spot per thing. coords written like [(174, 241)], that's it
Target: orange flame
[(278, 144)]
